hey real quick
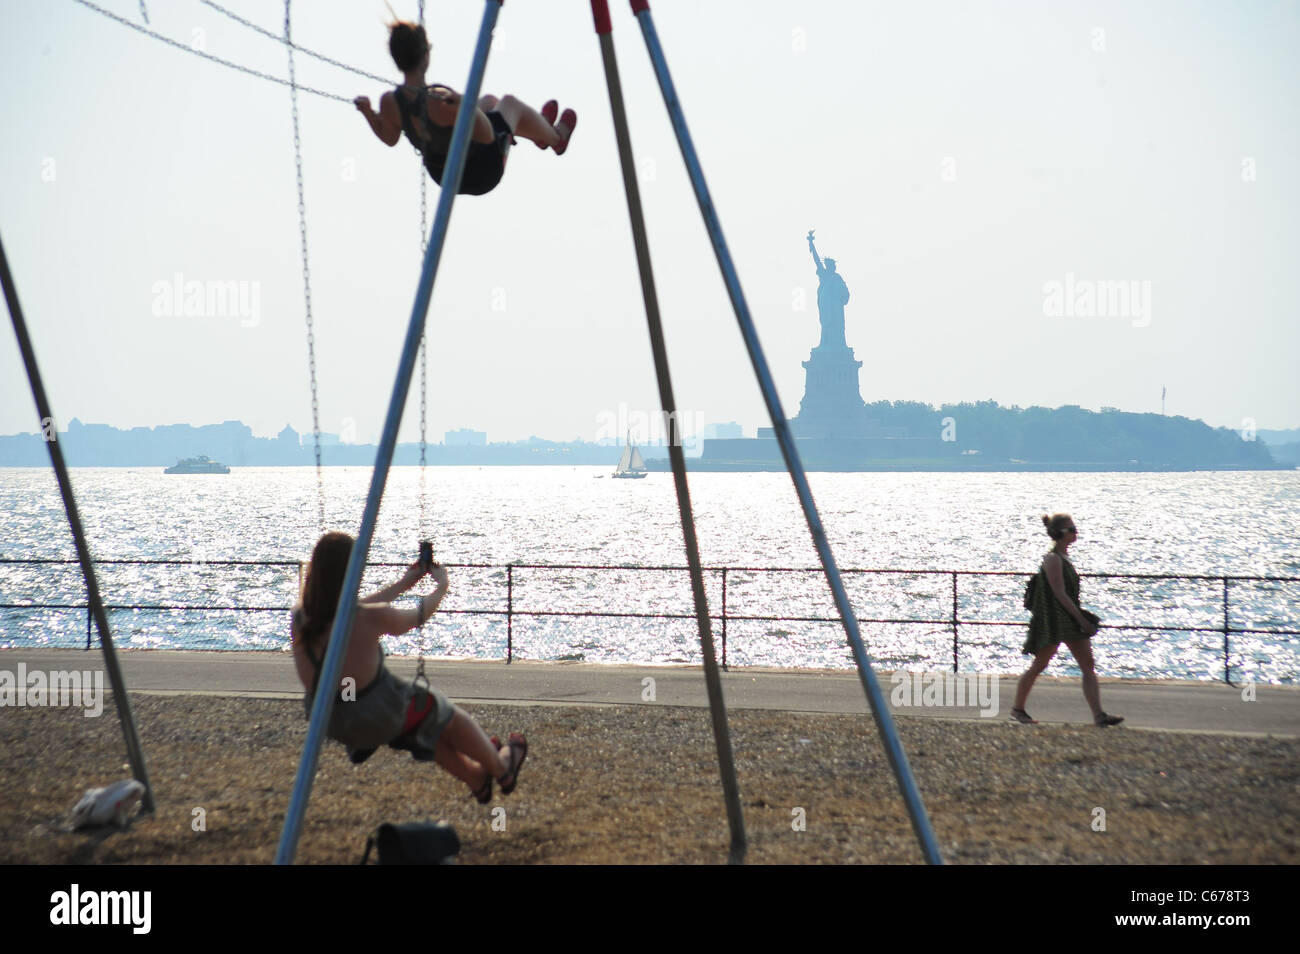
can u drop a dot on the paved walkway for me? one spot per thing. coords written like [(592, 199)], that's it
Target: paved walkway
[(1179, 706)]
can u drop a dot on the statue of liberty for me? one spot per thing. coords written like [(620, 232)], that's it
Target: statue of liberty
[(832, 296)]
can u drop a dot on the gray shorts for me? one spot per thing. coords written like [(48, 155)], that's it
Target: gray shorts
[(378, 714)]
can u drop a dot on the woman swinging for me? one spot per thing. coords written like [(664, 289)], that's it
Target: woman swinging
[(375, 707), (427, 114)]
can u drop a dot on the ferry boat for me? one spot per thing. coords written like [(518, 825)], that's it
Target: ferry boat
[(198, 465)]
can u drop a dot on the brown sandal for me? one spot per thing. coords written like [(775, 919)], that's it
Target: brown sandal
[(1023, 717), (518, 745)]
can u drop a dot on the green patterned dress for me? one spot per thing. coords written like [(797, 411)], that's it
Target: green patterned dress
[(1051, 623)]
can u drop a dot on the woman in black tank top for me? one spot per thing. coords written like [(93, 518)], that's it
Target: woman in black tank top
[(426, 115)]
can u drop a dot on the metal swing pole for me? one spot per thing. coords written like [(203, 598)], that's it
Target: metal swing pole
[(323, 704), (133, 749), (876, 699), (658, 345)]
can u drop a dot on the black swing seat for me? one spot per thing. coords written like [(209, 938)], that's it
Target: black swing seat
[(406, 743), (420, 708)]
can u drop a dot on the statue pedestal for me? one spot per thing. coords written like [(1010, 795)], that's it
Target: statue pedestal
[(832, 404)]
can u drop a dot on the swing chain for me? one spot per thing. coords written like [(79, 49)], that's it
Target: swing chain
[(301, 49), (177, 44), (424, 374), (306, 277), (424, 355)]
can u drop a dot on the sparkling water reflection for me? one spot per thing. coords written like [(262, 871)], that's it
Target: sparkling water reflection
[(1205, 523)]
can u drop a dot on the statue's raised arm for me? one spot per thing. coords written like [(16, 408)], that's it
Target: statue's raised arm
[(812, 247)]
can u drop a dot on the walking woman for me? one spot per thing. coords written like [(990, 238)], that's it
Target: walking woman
[(1058, 618)]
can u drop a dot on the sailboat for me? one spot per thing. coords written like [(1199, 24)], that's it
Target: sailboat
[(630, 465)]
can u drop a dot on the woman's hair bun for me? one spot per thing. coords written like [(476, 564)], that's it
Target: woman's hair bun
[(1056, 524)]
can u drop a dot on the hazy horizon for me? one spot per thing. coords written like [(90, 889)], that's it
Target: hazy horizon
[(986, 175), (436, 438)]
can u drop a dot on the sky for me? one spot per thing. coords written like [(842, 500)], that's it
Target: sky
[(977, 169)]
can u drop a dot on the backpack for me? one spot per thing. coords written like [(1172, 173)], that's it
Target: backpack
[(1030, 589)]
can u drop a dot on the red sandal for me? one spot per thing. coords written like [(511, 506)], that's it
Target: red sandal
[(549, 111), (565, 127)]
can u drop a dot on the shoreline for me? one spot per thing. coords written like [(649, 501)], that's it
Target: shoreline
[(575, 663), (1162, 705), (660, 465)]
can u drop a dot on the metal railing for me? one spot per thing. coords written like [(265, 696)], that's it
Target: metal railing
[(952, 621)]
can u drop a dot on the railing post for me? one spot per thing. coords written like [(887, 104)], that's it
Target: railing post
[(954, 621), (510, 612), (1226, 677), (724, 617)]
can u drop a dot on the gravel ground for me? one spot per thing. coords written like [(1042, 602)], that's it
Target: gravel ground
[(636, 784)]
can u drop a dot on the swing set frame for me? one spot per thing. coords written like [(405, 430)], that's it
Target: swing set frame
[(413, 348), (453, 169)]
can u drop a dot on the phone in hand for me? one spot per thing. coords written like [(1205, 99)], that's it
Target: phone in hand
[(426, 554)]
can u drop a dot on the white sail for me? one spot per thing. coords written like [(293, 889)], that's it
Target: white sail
[(631, 463)]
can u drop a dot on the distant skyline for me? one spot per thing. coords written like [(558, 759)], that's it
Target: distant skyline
[(642, 433), (904, 436), (1039, 204)]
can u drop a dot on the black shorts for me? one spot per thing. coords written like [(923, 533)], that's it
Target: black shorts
[(485, 163)]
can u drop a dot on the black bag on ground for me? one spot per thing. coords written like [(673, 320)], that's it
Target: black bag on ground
[(414, 843)]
